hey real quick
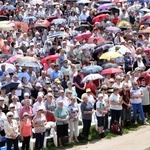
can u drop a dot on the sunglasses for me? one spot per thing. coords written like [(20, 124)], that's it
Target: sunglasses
[(10, 116), (103, 89), (143, 80)]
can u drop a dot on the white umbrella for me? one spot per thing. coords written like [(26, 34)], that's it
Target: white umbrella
[(10, 68), (6, 26), (92, 77), (87, 46), (83, 2), (145, 10), (119, 48), (34, 2)]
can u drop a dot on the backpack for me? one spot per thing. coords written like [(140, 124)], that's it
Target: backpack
[(116, 128)]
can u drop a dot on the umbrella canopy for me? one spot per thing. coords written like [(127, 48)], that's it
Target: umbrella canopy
[(124, 23), (22, 25), (83, 2), (28, 64), (103, 12), (28, 58), (105, 6), (147, 50), (92, 69), (113, 29), (110, 55), (118, 1), (23, 74), (34, 2), (58, 34), (13, 58), (145, 22), (99, 18), (111, 71), (51, 57), (115, 10), (3, 18), (10, 68), (146, 10), (92, 77), (9, 86), (147, 30), (134, 7), (51, 18), (42, 24), (83, 36), (26, 19), (59, 21), (82, 27), (97, 40), (87, 46), (110, 65), (6, 26), (10, 7), (146, 76)]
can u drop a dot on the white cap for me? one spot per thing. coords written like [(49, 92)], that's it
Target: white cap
[(31, 44), (25, 114), (40, 108), (11, 106), (9, 114), (100, 95), (26, 94), (38, 84), (1, 98), (138, 56)]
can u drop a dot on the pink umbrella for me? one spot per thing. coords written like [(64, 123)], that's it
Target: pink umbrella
[(118, 1), (83, 36), (99, 40), (13, 58)]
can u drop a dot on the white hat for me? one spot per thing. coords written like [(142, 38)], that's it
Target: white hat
[(26, 94), (37, 33), (9, 114), (100, 95), (40, 108), (59, 47), (16, 46), (1, 98), (11, 106), (128, 51), (31, 44), (138, 56), (25, 114), (38, 84)]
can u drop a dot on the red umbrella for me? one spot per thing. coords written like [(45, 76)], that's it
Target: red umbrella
[(84, 36), (99, 40), (13, 58), (147, 50), (42, 23), (51, 57), (23, 25), (99, 18), (51, 18), (111, 71), (146, 76)]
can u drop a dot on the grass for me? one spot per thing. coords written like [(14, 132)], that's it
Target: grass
[(95, 136)]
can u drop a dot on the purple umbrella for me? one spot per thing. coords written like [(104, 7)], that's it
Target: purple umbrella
[(113, 29), (105, 6)]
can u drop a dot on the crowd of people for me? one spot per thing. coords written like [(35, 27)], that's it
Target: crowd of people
[(49, 53)]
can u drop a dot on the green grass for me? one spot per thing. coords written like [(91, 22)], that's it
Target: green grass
[(95, 136)]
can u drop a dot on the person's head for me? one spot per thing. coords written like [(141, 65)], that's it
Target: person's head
[(88, 91), (73, 100), (56, 67), (43, 74), (111, 81), (116, 90), (126, 87), (26, 95), (69, 94), (104, 88), (15, 77), (25, 115), (143, 81), (11, 107), (139, 58), (65, 62), (24, 80), (15, 98), (84, 97), (127, 77), (60, 104), (27, 102), (49, 96), (40, 110), (66, 78), (100, 96), (135, 85), (69, 84), (1, 101), (3, 91), (9, 116), (57, 81), (38, 86), (61, 93), (118, 79), (3, 67), (40, 98)]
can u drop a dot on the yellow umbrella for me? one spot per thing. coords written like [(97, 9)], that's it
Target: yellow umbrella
[(124, 23), (110, 55), (147, 30), (28, 58)]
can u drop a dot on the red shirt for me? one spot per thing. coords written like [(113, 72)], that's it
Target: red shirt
[(115, 21), (92, 86)]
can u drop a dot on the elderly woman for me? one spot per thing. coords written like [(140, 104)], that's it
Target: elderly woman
[(50, 105), (73, 118), (115, 105), (136, 101), (11, 131), (71, 88), (87, 111), (39, 122), (61, 116)]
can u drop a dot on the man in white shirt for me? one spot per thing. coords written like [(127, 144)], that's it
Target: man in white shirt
[(83, 17)]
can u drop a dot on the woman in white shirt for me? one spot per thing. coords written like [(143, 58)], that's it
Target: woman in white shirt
[(11, 131), (115, 105), (118, 83)]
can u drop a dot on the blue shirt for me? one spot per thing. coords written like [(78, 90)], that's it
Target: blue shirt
[(56, 75)]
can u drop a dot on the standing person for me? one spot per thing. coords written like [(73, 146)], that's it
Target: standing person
[(115, 105), (25, 131), (87, 111), (39, 122), (11, 131), (101, 110), (136, 101), (73, 118), (61, 116)]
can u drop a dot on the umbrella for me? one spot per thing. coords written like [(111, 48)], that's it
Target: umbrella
[(110, 55), (134, 7), (105, 6), (26, 19), (147, 15), (9, 86), (115, 10), (147, 50), (124, 23), (92, 69), (119, 48), (107, 24), (10, 7), (51, 18), (40, 24), (28, 58), (6, 56), (51, 57), (113, 29), (13, 58), (83, 2), (23, 74), (6, 26), (145, 10), (83, 36), (34, 2), (92, 77), (58, 34), (98, 50), (87, 46), (28, 64), (59, 21), (111, 71), (110, 65), (99, 18), (97, 39), (147, 30), (10, 68), (3, 18), (103, 12), (146, 76), (118, 1), (145, 22), (82, 27), (23, 25)]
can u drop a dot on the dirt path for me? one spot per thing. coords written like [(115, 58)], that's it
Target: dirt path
[(135, 140)]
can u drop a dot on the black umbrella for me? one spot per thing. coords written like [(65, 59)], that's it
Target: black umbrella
[(3, 18), (107, 46), (98, 50), (123, 28), (82, 27), (9, 86), (104, 43), (109, 65), (115, 10), (39, 26), (103, 12)]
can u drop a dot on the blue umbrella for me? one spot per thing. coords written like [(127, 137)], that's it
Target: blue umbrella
[(23, 74), (8, 7), (9, 86), (92, 69), (59, 21), (26, 19), (58, 34)]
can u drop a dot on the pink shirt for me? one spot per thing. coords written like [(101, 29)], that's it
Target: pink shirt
[(26, 128)]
